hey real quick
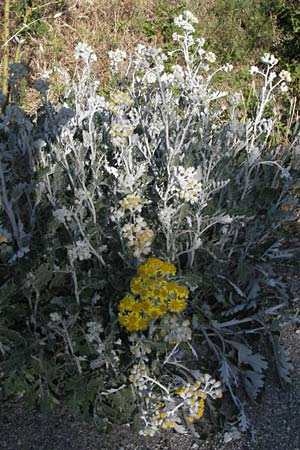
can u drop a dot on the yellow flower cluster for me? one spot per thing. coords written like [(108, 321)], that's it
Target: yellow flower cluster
[(152, 295), (132, 202), (194, 395), (199, 411), (167, 422), (139, 236), (119, 100), (119, 133), (159, 415), (162, 419), (194, 400)]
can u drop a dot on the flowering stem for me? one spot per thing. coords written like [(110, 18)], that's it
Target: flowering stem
[(99, 257), (170, 413), (75, 281), (171, 354), (8, 208), (71, 348), (157, 383)]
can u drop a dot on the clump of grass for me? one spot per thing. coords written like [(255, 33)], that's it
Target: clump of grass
[(239, 29)]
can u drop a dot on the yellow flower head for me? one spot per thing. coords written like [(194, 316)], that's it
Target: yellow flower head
[(131, 202), (154, 313), (182, 292), (127, 303), (133, 322), (176, 305), (147, 306), (136, 285), (155, 266)]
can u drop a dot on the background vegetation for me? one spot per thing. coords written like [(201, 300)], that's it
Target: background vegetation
[(44, 34)]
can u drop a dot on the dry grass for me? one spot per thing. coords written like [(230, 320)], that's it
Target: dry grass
[(103, 24)]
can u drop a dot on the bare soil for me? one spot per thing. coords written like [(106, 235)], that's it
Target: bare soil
[(275, 419)]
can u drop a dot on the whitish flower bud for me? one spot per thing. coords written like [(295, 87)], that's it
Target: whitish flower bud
[(285, 75), (55, 317), (267, 58), (84, 52), (253, 70), (210, 57)]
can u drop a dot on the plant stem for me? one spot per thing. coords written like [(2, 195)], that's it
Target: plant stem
[(6, 47), (171, 354), (8, 208), (20, 42)]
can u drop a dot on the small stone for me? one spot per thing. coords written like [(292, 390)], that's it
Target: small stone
[(233, 435), (227, 437)]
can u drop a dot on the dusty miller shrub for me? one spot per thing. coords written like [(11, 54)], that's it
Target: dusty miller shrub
[(163, 166)]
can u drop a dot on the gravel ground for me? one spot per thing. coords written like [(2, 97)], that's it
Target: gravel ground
[(275, 419)]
